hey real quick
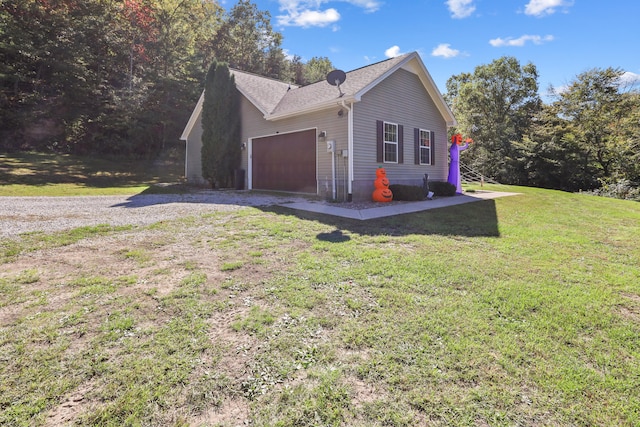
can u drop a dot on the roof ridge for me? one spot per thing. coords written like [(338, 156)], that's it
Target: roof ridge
[(380, 62), (361, 68), (293, 85)]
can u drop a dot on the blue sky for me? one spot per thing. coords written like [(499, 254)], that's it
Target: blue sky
[(563, 38)]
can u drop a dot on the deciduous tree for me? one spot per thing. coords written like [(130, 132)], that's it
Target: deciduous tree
[(316, 69), (495, 106), (246, 40), (603, 119)]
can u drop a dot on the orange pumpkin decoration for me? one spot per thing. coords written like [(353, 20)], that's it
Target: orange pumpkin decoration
[(382, 195), (381, 182)]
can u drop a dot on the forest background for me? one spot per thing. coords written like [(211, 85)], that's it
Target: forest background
[(120, 78)]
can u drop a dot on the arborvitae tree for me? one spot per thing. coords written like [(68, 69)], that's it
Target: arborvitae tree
[(220, 126)]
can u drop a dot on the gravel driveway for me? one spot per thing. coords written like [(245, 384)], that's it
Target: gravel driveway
[(25, 214)]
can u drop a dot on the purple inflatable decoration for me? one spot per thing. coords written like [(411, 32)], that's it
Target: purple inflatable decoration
[(454, 165)]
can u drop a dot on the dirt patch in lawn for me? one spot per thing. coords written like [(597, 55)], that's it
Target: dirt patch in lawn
[(106, 302)]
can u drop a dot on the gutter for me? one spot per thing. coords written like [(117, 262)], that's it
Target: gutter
[(311, 109)]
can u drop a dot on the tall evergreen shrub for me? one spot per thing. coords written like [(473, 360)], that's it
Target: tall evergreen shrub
[(220, 127)]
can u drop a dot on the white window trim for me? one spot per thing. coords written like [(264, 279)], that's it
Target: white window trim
[(385, 142), (428, 132)]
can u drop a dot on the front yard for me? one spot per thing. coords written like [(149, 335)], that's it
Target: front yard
[(517, 311)]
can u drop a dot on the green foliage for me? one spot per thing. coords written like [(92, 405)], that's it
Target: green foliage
[(246, 41), (587, 135), (407, 192), (552, 157), (99, 77), (623, 189), (603, 120), (220, 127), (316, 69), (494, 106), (442, 188), (103, 77)]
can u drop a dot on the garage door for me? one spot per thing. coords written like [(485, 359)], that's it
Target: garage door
[(285, 162)]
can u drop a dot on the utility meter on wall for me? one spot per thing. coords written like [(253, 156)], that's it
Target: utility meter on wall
[(331, 146)]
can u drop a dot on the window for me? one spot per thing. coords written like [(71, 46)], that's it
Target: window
[(390, 143), (425, 147)]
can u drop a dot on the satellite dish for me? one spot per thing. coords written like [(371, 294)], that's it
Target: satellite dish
[(336, 78)]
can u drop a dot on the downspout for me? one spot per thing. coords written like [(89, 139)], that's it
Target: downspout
[(250, 164), (333, 174), (350, 149), (186, 159)]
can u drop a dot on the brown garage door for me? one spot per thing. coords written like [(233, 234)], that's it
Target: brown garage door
[(285, 162)]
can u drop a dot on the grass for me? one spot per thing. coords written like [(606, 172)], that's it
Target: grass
[(523, 310), (40, 174)]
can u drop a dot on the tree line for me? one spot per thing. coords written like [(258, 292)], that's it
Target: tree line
[(586, 138), (120, 77)]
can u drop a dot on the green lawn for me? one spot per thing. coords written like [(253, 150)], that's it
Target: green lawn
[(40, 174), (523, 310)]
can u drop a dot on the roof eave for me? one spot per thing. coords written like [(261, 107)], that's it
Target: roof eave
[(194, 117), (312, 108)]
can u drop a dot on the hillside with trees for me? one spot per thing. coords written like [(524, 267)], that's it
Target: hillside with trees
[(120, 78)]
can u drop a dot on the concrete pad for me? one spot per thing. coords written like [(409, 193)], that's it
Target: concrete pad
[(395, 209)]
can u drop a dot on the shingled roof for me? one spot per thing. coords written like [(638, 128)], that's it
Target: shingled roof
[(277, 99), (263, 92), (321, 93)]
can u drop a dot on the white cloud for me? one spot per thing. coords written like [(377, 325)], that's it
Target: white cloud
[(520, 41), (545, 7), (392, 52), (367, 5), (309, 18), (444, 50), (460, 8), (287, 54), (308, 13), (629, 79)]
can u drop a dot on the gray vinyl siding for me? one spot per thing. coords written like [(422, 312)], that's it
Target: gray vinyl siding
[(193, 172), (401, 98)]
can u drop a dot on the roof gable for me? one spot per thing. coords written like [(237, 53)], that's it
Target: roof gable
[(263, 92)]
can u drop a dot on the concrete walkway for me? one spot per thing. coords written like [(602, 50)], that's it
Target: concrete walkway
[(395, 209)]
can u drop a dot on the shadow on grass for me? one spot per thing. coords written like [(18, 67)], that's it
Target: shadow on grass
[(477, 219)]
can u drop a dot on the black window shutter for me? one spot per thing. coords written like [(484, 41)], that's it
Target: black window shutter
[(400, 144), (432, 140), (416, 145), (380, 141)]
